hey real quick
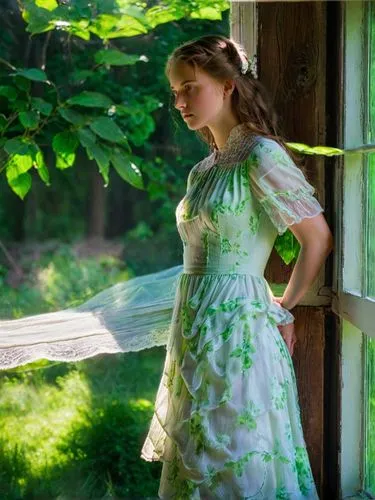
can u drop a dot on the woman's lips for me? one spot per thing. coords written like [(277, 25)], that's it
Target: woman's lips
[(189, 115)]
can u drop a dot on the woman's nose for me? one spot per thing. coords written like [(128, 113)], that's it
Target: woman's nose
[(179, 103)]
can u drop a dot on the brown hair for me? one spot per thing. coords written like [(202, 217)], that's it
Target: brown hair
[(219, 57)]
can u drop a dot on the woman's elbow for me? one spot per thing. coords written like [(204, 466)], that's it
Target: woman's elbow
[(314, 232)]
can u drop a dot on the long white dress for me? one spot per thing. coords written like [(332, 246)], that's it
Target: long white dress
[(227, 421)]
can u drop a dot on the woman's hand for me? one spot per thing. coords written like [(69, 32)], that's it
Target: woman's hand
[(287, 331)]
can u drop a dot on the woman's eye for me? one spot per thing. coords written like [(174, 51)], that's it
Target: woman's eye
[(187, 88)]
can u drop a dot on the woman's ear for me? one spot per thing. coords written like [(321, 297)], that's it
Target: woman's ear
[(229, 86)]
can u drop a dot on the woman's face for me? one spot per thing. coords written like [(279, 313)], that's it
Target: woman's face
[(196, 94)]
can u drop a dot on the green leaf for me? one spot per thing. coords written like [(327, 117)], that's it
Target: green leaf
[(35, 74), (287, 246), (22, 83), (126, 169), (101, 155), (122, 110), (316, 150), (210, 13), (326, 151), (21, 185), (130, 28), (80, 75), (19, 105), (107, 129), (38, 20), (9, 92), (86, 137), (47, 4), (17, 145), (44, 107), (72, 116), (17, 165), (91, 100), (41, 167), (115, 58), (77, 31), (64, 144), (108, 26), (29, 119), (103, 24), (160, 14)]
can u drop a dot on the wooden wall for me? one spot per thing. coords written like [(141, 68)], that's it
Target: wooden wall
[(289, 39)]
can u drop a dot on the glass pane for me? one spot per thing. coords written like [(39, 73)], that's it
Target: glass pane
[(353, 224), (371, 73), (370, 416), (371, 157), (371, 226)]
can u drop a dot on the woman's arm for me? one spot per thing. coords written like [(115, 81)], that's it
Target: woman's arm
[(316, 242)]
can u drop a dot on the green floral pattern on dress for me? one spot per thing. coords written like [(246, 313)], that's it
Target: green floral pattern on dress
[(227, 420), (245, 350), (248, 416)]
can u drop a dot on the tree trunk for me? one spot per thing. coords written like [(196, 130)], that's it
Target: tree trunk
[(96, 218)]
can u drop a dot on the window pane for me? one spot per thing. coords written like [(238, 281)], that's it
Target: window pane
[(370, 416), (371, 226), (353, 212), (371, 73), (371, 158)]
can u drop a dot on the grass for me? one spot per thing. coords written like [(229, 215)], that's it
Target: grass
[(75, 430)]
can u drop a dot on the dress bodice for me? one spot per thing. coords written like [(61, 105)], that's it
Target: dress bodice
[(237, 200)]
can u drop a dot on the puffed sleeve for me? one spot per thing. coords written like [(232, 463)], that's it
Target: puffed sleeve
[(280, 186)]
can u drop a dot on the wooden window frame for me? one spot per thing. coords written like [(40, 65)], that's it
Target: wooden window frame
[(350, 299)]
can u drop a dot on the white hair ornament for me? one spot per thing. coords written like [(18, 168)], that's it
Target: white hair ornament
[(247, 64), (250, 64)]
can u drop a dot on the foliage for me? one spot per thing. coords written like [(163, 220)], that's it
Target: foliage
[(112, 19), (89, 119), (85, 423), (287, 246), (93, 120), (57, 280), (72, 410)]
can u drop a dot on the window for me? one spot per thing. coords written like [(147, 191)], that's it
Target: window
[(355, 265)]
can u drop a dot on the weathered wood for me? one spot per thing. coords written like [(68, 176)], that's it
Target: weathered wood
[(291, 48), (292, 44), (308, 360)]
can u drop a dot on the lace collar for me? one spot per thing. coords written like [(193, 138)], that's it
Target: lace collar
[(238, 135), (236, 149)]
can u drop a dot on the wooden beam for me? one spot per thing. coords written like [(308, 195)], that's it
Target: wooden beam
[(289, 40)]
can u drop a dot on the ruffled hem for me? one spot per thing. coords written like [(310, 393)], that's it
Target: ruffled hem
[(228, 389)]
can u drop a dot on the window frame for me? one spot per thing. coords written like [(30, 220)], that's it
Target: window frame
[(350, 299), (352, 304)]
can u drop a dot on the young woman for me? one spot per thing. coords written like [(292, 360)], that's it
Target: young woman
[(227, 421)]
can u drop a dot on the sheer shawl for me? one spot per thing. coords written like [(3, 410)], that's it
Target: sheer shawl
[(128, 316)]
